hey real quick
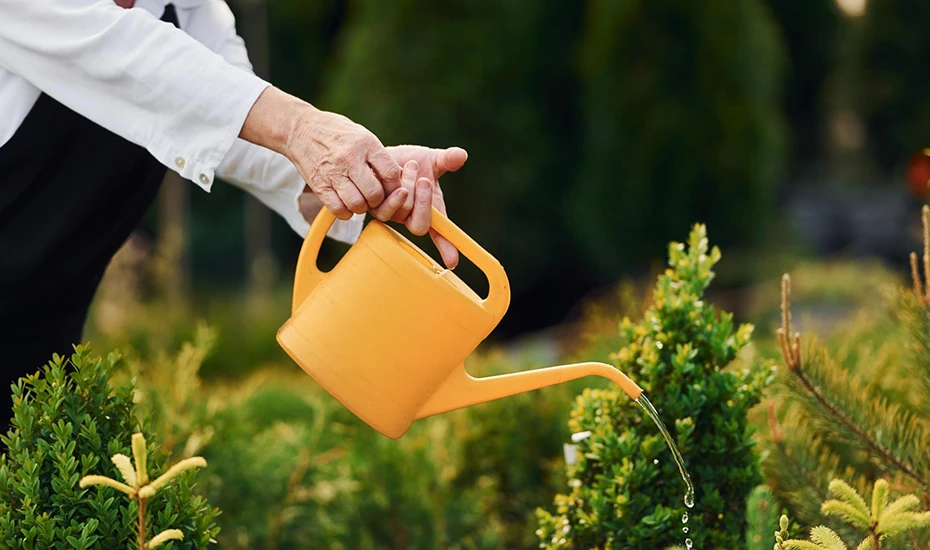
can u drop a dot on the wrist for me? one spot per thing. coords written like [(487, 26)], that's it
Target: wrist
[(273, 118)]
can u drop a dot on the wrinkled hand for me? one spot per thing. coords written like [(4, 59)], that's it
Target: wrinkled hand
[(423, 192), (343, 163)]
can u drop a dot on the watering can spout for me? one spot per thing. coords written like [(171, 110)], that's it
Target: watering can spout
[(462, 390)]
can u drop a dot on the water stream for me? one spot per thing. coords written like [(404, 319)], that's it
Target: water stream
[(689, 494)]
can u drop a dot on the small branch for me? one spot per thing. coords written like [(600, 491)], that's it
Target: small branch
[(790, 343), (915, 276), (876, 543)]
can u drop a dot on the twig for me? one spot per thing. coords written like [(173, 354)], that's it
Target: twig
[(142, 524), (915, 276), (876, 541), (925, 219), (790, 343)]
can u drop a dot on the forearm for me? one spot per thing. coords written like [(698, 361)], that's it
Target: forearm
[(270, 121)]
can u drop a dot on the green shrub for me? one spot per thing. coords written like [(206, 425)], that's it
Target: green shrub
[(626, 491), (67, 423)]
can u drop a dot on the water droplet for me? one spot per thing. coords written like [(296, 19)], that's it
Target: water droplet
[(655, 461), (684, 530), (688, 543), (580, 436), (689, 498), (684, 518)]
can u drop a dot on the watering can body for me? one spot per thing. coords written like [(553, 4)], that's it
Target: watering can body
[(387, 331)]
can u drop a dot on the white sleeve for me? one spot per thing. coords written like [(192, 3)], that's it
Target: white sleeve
[(139, 77), (268, 176)]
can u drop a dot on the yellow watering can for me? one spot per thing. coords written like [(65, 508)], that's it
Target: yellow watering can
[(387, 331)]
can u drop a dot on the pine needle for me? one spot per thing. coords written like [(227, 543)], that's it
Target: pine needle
[(124, 465)]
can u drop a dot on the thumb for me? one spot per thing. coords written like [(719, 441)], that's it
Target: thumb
[(449, 160)]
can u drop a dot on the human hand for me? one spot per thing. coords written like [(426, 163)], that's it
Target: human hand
[(424, 192), (343, 163)]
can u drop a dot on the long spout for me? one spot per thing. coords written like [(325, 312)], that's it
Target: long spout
[(462, 390)]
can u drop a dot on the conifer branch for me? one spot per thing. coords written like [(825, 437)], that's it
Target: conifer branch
[(878, 449)]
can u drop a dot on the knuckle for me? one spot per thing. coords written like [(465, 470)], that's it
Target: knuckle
[(357, 205), (369, 141), (375, 195)]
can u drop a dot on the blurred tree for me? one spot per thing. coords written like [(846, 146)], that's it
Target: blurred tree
[(809, 29), (495, 78), (681, 124), (895, 92)]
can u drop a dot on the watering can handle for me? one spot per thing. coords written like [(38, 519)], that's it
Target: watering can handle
[(498, 299), (309, 275)]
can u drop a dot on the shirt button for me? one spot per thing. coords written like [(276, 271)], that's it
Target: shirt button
[(179, 162), (204, 179)]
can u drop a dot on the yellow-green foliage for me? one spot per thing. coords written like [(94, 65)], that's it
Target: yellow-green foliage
[(875, 523), (140, 488)]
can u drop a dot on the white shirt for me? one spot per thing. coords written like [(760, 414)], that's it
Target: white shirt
[(182, 94)]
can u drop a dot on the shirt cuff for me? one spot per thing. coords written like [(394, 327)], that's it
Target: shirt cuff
[(199, 162)]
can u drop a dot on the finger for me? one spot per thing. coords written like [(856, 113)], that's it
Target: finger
[(449, 160), (450, 255), (409, 182), (385, 167), (386, 210), (350, 195), (331, 200), (419, 221), (366, 182)]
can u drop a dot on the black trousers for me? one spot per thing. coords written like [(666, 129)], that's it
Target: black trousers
[(71, 192)]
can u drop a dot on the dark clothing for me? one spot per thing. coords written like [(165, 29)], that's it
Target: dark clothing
[(71, 192)]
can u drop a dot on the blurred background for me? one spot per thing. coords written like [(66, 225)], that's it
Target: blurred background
[(597, 131)]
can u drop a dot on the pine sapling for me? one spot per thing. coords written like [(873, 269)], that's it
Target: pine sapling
[(138, 486), (876, 522)]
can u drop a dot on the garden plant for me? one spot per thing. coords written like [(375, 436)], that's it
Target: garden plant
[(626, 491), (68, 421)]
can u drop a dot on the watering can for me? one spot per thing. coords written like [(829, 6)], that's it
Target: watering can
[(387, 330)]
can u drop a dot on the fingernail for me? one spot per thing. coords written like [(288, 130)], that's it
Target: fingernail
[(423, 184), (412, 165)]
